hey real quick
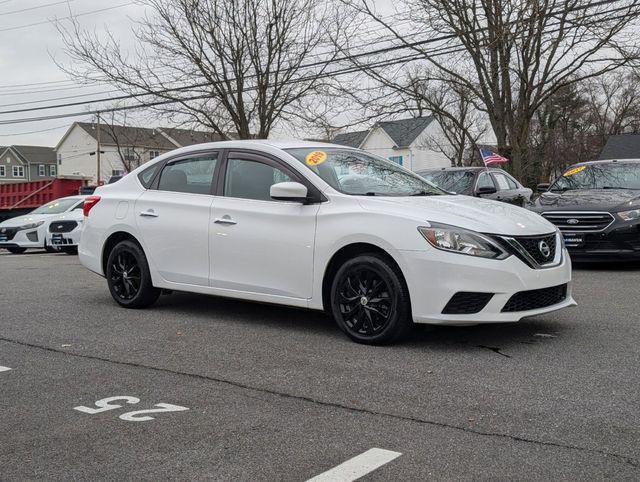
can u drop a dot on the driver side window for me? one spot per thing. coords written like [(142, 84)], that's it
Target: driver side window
[(248, 179)]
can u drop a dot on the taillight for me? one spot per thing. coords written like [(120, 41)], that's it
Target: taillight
[(89, 202)]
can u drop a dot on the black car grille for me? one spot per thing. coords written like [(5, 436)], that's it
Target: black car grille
[(62, 226), (7, 233), (580, 222), (535, 247), (467, 303), (535, 299)]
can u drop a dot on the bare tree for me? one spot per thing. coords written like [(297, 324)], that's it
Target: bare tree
[(513, 55), (231, 65)]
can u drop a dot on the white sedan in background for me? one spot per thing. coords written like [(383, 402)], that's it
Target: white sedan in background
[(64, 231), (30, 230), (272, 222)]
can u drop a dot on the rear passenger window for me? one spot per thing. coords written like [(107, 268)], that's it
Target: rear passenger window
[(503, 184), (146, 176), (193, 176)]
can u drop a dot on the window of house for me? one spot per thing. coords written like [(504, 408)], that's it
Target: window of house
[(18, 171), (117, 172), (153, 154), (129, 154), (52, 170), (397, 159), (41, 171), (59, 158), (3, 171)]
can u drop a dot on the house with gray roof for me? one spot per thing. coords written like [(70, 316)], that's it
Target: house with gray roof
[(409, 142), (122, 148), (27, 163), (622, 146)]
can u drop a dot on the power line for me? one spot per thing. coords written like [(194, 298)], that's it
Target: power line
[(36, 7), (91, 12)]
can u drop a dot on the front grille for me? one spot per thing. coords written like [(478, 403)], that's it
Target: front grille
[(467, 303), (7, 234), (541, 248), (62, 226), (535, 299), (580, 222)]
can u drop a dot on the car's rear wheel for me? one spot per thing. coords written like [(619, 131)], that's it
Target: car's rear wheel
[(16, 250), (69, 249), (128, 276), (370, 300)]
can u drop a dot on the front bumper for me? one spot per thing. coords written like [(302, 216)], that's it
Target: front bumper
[(61, 240), (27, 238), (618, 242), (434, 277)]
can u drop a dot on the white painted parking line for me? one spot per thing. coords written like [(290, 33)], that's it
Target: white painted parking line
[(358, 466), (4, 369)]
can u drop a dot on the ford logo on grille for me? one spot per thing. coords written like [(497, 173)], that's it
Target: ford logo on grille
[(573, 221), (544, 249), (60, 226)]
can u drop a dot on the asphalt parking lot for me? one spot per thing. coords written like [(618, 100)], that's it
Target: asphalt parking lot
[(232, 390)]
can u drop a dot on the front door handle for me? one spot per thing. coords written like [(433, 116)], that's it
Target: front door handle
[(225, 220), (149, 214)]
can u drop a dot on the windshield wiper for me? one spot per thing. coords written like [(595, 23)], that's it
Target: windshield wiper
[(423, 193), (617, 187)]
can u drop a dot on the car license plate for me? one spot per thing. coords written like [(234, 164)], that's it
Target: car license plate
[(573, 240)]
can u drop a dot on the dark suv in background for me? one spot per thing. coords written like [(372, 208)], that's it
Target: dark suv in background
[(596, 205), (489, 183)]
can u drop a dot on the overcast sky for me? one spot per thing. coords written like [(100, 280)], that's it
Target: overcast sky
[(29, 42)]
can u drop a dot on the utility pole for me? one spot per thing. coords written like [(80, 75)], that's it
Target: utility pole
[(98, 150)]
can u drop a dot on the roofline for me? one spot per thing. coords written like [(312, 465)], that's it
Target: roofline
[(395, 146), (23, 160), (376, 125)]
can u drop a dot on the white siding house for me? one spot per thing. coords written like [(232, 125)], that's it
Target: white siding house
[(122, 147), (404, 141)]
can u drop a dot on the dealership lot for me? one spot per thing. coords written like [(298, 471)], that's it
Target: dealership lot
[(235, 390)]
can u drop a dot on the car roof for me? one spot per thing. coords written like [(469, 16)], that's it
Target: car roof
[(608, 161), (278, 144), (469, 168)]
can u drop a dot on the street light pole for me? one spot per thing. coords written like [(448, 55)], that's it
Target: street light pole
[(98, 150)]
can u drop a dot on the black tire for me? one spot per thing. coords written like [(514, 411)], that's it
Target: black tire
[(16, 250), (128, 276), (50, 249), (69, 249), (370, 290)]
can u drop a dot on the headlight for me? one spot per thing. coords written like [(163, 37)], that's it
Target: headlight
[(462, 241), (630, 215), (31, 225)]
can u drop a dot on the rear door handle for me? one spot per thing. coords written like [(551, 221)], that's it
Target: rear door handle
[(149, 214), (225, 220)]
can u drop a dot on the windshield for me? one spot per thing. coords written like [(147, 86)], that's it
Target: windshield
[(56, 207), (599, 176), (358, 173), (453, 181)]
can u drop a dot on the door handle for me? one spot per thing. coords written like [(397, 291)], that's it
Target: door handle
[(149, 214), (225, 220)]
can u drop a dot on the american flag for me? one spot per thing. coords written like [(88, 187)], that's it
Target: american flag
[(490, 157)]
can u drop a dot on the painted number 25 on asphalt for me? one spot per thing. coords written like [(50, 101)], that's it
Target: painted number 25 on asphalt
[(107, 404)]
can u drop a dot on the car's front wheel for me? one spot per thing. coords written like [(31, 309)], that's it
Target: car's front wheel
[(128, 276), (16, 250), (370, 300)]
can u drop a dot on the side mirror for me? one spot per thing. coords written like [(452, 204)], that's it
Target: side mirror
[(543, 187), (289, 191), (486, 190)]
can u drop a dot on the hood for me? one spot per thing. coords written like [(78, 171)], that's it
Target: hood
[(588, 200), (476, 214), (75, 215), (26, 219)]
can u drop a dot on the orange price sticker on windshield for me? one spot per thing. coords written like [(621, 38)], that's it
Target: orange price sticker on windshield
[(316, 157), (575, 170)]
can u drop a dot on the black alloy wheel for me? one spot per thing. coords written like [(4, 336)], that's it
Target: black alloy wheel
[(128, 276), (370, 300)]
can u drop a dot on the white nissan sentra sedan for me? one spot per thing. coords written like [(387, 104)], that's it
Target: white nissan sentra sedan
[(325, 227)]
